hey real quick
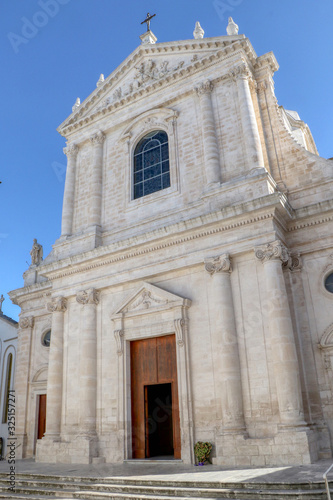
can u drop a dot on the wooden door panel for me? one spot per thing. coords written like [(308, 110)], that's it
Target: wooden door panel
[(41, 416), (153, 361)]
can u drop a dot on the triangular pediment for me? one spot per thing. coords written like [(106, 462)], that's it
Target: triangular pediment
[(149, 297), (148, 67)]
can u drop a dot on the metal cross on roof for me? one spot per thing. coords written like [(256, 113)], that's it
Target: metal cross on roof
[(147, 21)]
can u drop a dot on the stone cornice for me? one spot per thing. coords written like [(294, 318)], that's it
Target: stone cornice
[(217, 222), (223, 46), (37, 291)]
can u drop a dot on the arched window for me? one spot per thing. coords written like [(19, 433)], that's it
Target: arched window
[(7, 388), (151, 164)]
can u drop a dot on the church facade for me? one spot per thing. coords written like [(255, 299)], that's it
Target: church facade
[(189, 297)]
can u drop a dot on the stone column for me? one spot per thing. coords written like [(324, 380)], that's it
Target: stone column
[(210, 145), (286, 369), (251, 136), (57, 306), (96, 178), (22, 382), (68, 203), (88, 362), (225, 346)]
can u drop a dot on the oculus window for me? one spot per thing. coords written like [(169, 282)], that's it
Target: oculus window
[(329, 283), (46, 339), (151, 164)]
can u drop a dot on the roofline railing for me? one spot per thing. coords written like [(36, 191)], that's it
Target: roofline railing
[(326, 482)]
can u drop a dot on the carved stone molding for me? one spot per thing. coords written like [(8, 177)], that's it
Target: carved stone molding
[(119, 336), (205, 88), (97, 139), (179, 329), (295, 262), (219, 264), (71, 150), (261, 87), (241, 71), (272, 251), (27, 322), (57, 304), (90, 296)]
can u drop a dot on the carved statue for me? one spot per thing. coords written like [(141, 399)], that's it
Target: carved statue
[(2, 298), (36, 253)]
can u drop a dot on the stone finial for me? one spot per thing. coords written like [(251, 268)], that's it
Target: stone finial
[(198, 32), (100, 80), (36, 253), (2, 298), (232, 28), (77, 104)]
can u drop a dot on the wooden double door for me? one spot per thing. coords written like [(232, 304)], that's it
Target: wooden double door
[(154, 398)]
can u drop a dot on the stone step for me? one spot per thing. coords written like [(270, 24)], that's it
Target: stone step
[(39, 487)]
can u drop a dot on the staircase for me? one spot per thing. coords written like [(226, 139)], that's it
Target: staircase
[(38, 487)]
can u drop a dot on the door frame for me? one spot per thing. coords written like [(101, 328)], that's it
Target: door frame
[(153, 312)]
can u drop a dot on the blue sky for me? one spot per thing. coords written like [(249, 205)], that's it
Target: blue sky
[(53, 51)]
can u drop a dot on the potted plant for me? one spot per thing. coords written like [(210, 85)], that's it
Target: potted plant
[(202, 452)]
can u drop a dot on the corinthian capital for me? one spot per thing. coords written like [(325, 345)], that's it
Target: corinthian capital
[(57, 304), (241, 71), (90, 296), (272, 251), (219, 264), (27, 322), (71, 150), (205, 88), (97, 139)]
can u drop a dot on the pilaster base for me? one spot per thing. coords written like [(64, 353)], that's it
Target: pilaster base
[(74, 450), (21, 442), (286, 448)]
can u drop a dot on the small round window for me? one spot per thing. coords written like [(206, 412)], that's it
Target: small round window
[(329, 283), (46, 338)]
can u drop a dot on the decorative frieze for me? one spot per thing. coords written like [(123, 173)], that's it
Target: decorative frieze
[(218, 264), (57, 304), (90, 296), (27, 322)]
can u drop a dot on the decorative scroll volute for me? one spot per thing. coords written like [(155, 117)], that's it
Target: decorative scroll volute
[(97, 139), (119, 336), (205, 88), (220, 264), (90, 296), (71, 150), (27, 322), (179, 329), (57, 304), (272, 251)]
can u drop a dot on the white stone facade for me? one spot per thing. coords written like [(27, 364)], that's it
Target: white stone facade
[(231, 258)]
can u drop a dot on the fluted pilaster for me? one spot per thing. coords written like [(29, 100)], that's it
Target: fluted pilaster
[(227, 371)]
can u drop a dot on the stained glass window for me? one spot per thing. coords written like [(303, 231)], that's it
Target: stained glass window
[(151, 164)]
